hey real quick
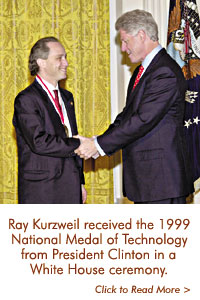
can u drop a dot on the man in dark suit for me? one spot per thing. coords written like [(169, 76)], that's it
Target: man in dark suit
[(149, 130), (49, 172)]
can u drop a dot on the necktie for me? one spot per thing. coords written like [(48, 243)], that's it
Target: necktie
[(59, 108), (141, 69)]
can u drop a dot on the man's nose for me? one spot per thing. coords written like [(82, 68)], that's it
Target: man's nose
[(65, 62), (123, 47)]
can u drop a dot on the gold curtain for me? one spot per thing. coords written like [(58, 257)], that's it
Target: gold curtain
[(83, 28)]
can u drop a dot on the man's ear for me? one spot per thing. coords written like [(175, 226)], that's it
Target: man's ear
[(142, 34), (41, 62)]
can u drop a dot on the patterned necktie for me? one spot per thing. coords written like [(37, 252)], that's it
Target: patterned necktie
[(141, 69), (58, 106)]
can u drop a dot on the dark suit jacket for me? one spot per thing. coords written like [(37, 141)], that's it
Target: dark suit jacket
[(150, 133), (48, 170)]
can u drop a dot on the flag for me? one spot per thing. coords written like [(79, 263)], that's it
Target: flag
[(183, 44)]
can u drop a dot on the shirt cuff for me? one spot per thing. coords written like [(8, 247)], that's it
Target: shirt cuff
[(100, 150)]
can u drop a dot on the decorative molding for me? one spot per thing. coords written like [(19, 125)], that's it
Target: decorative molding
[(159, 10)]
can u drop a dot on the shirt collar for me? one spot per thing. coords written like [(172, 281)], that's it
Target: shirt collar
[(146, 62), (50, 86)]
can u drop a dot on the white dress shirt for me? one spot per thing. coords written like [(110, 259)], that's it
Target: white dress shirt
[(51, 88)]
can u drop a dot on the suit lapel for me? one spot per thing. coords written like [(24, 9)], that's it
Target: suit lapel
[(131, 92), (69, 105), (59, 129), (134, 96), (132, 80)]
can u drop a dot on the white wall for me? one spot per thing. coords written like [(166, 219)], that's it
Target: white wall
[(120, 65)]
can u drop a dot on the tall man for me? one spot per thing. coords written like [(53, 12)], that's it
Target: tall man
[(149, 130), (44, 118)]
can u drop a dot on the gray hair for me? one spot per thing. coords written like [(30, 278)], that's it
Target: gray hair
[(39, 50), (133, 21)]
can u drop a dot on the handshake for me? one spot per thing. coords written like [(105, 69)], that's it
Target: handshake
[(87, 148)]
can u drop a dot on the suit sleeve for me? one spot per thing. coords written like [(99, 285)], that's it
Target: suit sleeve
[(119, 117), (29, 120), (160, 93)]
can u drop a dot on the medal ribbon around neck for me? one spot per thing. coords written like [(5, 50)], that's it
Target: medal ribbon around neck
[(53, 98)]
